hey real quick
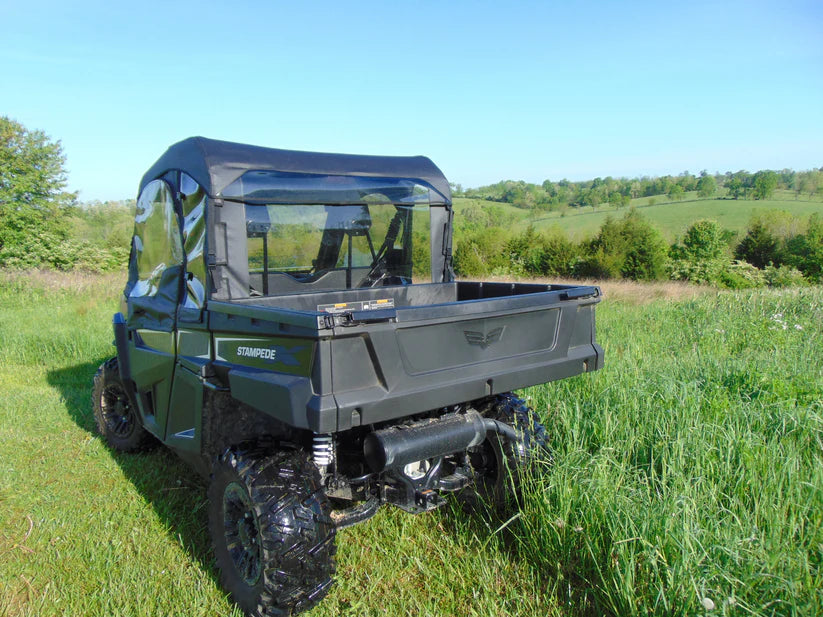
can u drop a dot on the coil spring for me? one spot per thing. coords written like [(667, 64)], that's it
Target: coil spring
[(322, 450)]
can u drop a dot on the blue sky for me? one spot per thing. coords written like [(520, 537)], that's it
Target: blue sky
[(490, 91)]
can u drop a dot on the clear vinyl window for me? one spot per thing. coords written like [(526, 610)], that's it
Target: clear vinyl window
[(339, 246), (193, 200), (156, 244)]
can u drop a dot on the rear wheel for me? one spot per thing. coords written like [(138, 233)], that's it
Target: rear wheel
[(499, 462), (117, 420), (272, 532)]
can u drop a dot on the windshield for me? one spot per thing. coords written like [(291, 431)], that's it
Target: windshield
[(329, 246)]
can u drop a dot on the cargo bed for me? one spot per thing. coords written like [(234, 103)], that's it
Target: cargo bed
[(366, 356)]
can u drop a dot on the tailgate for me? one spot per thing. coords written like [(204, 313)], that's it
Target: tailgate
[(392, 363), (432, 346)]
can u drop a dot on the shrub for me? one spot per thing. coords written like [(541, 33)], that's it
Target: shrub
[(645, 250), (534, 254), (41, 249), (468, 260), (598, 265), (520, 251), (805, 252), (555, 256), (759, 247), (703, 257), (698, 272), (629, 248), (741, 275), (481, 252), (784, 276), (704, 240)]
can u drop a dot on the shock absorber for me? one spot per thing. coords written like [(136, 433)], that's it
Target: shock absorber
[(322, 451)]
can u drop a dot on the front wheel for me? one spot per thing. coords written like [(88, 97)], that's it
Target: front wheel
[(272, 532)]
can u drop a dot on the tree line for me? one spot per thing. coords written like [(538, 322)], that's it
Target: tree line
[(43, 225), (778, 249), (618, 192)]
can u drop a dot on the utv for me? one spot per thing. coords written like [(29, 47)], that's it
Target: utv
[(292, 328)]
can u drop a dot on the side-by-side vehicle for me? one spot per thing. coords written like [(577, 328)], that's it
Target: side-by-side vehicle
[(292, 328)]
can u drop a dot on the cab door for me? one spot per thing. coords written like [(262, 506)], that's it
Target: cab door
[(184, 421), (153, 294)]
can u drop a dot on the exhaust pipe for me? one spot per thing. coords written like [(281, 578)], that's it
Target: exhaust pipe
[(397, 446)]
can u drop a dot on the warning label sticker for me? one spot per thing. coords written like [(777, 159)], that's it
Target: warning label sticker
[(365, 305)]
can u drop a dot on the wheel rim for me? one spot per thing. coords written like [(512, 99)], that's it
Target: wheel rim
[(487, 461), (242, 533), (117, 412)]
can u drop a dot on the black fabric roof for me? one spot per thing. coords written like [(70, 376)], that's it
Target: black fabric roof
[(216, 164)]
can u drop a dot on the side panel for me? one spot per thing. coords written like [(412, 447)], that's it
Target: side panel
[(151, 355), (184, 428), (292, 356), (281, 376)]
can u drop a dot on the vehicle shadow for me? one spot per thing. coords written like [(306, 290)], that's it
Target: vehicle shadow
[(174, 491)]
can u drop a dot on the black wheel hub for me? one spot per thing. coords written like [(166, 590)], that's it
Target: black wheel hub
[(242, 533), (487, 462), (117, 412)]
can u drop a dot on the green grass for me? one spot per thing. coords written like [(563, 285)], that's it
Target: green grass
[(689, 468), (672, 218), (693, 466)]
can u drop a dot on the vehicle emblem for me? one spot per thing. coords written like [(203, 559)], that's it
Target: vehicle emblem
[(484, 340)]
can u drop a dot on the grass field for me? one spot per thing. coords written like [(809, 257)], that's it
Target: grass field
[(672, 218), (687, 478)]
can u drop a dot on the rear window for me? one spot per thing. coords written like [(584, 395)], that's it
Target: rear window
[(346, 245)]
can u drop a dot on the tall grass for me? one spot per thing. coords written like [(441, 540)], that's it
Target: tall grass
[(690, 472), (686, 474)]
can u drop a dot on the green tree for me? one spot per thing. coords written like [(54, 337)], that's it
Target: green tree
[(33, 202), (555, 255), (481, 252), (703, 256), (808, 182), (645, 249), (765, 183), (759, 247), (590, 197), (735, 187), (805, 252), (706, 186), (629, 248), (676, 192), (705, 239)]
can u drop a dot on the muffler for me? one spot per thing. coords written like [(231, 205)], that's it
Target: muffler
[(397, 446)]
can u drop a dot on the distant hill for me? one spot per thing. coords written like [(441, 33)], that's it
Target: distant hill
[(670, 217)]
